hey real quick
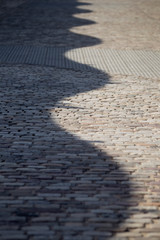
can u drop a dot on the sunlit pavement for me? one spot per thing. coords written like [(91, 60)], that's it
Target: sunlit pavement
[(80, 134)]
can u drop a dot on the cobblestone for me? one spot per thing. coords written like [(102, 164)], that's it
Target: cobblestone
[(79, 151)]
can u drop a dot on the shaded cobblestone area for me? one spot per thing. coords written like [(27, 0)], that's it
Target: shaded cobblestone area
[(46, 23), (8, 6), (79, 151), (53, 184)]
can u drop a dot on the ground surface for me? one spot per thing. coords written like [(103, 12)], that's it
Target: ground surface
[(8, 6), (79, 149)]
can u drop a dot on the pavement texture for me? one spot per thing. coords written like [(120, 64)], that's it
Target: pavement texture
[(138, 63), (8, 6), (79, 149)]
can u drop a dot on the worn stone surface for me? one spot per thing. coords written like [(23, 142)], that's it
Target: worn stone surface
[(122, 119), (112, 24), (8, 6), (79, 151), (123, 24)]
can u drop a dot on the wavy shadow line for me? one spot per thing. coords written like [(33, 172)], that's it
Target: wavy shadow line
[(56, 185)]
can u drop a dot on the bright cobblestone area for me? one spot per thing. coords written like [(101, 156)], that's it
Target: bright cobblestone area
[(122, 119)]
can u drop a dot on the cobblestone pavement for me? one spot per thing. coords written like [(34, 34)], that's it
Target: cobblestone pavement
[(123, 24), (7, 6), (79, 150)]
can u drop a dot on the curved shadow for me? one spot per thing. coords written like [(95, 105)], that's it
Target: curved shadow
[(55, 184)]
